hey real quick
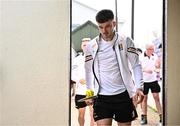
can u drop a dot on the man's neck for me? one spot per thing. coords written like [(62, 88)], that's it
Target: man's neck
[(149, 54), (109, 38)]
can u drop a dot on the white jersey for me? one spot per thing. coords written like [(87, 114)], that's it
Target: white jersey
[(110, 78), (78, 75), (149, 63), (125, 53)]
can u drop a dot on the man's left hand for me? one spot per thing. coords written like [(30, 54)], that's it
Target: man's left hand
[(138, 98)]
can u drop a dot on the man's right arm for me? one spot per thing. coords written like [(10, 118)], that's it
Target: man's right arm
[(89, 74), (88, 67)]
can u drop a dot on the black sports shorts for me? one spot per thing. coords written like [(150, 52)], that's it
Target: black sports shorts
[(80, 104), (119, 107), (154, 86)]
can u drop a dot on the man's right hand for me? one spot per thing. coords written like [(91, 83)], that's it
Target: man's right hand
[(89, 93), (89, 102)]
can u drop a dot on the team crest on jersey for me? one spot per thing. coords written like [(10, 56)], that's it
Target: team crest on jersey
[(120, 46)]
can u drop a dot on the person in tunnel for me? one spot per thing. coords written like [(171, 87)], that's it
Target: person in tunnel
[(107, 58), (80, 88), (150, 66)]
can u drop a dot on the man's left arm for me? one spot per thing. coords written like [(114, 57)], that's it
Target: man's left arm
[(133, 57)]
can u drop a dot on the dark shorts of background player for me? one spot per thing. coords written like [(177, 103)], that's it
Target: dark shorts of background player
[(79, 104), (154, 86), (119, 107)]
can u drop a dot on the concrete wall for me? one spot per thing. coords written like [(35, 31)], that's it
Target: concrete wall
[(34, 62), (173, 62), (0, 64), (34, 53)]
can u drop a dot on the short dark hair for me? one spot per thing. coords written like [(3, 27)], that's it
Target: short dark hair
[(104, 16)]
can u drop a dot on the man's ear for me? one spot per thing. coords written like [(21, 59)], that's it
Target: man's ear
[(114, 23)]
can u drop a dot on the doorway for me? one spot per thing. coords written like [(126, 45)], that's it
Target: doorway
[(141, 20)]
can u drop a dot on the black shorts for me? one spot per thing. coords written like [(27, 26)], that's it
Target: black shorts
[(154, 86), (80, 104), (119, 107)]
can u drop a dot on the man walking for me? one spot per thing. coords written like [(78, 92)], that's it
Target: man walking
[(108, 57)]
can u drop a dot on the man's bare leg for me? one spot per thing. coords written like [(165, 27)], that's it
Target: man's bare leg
[(81, 116), (124, 124), (157, 101), (91, 116), (144, 105), (104, 122)]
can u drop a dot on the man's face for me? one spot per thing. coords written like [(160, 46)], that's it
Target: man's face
[(106, 29), (83, 45), (150, 50)]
